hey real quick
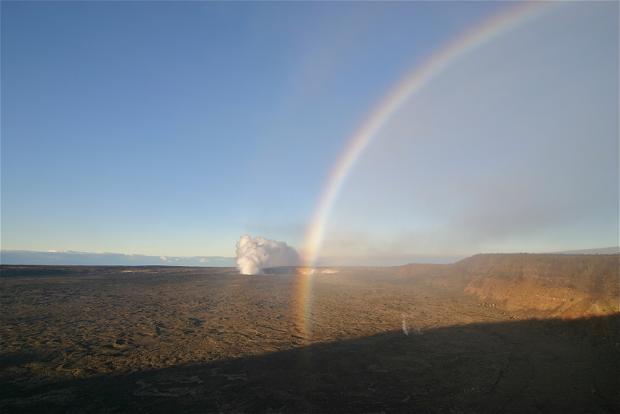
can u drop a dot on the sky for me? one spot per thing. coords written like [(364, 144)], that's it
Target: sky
[(171, 129)]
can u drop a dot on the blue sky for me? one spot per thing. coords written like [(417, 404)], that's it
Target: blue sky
[(173, 128)]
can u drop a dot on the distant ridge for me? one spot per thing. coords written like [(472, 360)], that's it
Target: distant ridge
[(71, 257), (68, 257), (601, 250)]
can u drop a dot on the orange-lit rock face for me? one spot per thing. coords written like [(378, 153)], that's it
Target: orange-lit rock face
[(557, 285)]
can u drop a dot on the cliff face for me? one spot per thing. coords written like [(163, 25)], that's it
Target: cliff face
[(544, 284), (557, 285)]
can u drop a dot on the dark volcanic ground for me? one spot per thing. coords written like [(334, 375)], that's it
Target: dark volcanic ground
[(158, 339)]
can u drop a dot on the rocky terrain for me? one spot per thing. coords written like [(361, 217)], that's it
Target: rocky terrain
[(481, 335)]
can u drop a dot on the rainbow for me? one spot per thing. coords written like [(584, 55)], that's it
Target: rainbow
[(406, 89)]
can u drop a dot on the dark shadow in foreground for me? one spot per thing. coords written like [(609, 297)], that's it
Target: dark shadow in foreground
[(519, 366)]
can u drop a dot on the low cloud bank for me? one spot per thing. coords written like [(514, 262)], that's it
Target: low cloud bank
[(257, 253), (27, 257)]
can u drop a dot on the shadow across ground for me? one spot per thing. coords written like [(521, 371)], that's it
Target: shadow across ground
[(516, 367)]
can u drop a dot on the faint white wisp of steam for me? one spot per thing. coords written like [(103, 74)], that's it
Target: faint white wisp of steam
[(405, 326), (406, 329), (257, 253)]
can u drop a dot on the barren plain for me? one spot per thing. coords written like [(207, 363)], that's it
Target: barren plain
[(420, 338)]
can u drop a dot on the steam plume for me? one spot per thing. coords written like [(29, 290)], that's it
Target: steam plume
[(256, 254)]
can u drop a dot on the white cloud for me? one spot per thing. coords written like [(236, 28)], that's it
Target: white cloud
[(256, 254)]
